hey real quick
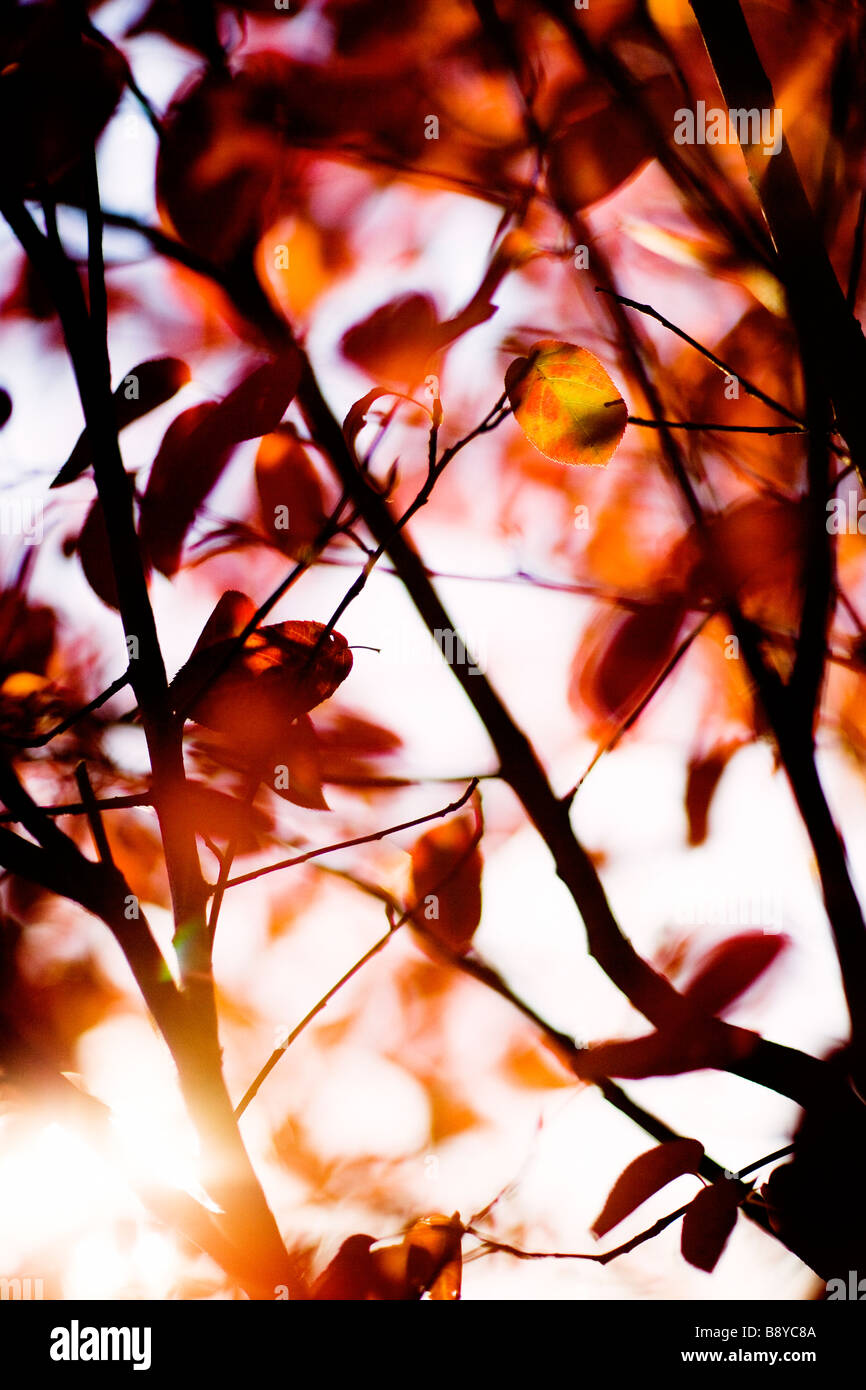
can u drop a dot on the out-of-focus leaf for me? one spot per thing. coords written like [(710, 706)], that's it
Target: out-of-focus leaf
[(255, 696), (27, 630), (668, 1053), (566, 404), (95, 557), (221, 816), (291, 501), (621, 657), (702, 778), (534, 1065), (645, 1176), (350, 746), (147, 386), (446, 881), (395, 343), (603, 147), (350, 1275), (58, 91), (757, 554), (709, 1221), (197, 447), (136, 849), (299, 752), (729, 969)]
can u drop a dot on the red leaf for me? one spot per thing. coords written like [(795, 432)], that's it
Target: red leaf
[(708, 1223), (290, 494), (396, 342), (702, 779), (644, 1176), (258, 403), (622, 656), (668, 1053), (188, 464), (728, 970), (95, 556), (299, 749), (602, 148), (196, 448), (446, 881), (253, 696), (145, 387)]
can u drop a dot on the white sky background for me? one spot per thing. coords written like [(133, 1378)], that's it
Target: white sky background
[(631, 807)]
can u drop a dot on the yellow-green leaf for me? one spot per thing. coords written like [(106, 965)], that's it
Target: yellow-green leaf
[(566, 404)]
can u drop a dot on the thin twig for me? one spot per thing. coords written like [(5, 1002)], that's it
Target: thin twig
[(94, 817), (358, 839)]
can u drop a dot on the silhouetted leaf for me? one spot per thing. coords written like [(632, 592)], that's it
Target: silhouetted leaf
[(446, 881), (145, 387), (197, 447), (728, 970), (254, 695), (709, 1221), (644, 1176)]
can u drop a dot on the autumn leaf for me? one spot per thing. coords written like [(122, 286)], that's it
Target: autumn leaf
[(198, 445), (291, 501), (702, 779), (426, 1260), (644, 1176), (621, 657), (709, 1221), (350, 1276), (668, 1053), (601, 148), (394, 344), (566, 404), (446, 882), (727, 971), (254, 695), (145, 387)]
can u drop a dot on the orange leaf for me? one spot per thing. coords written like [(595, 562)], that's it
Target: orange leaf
[(290, 494), (644, 1176), (395, 343), (446, 882), (566, 404)]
